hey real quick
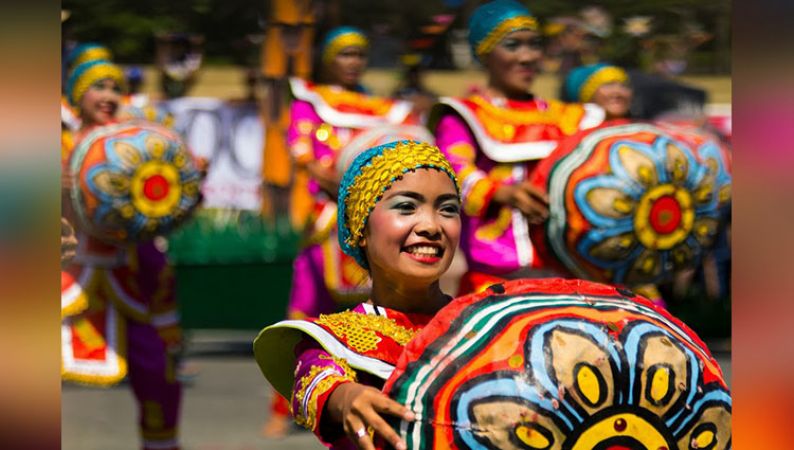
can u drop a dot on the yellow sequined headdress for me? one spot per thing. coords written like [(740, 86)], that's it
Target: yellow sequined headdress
[(88, 73), (342, 37), (369, 176), (492, 21), (582, 82), (84, 53)]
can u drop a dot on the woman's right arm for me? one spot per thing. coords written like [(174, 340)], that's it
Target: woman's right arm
[(327, 394), (478, 190)]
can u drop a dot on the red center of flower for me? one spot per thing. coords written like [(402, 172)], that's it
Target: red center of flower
[(665, 214), (155, 188)]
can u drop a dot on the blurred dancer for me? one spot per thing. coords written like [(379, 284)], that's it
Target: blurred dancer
[(602, 84), (118, 302), (494, 139), (179, 58), (609, 88)]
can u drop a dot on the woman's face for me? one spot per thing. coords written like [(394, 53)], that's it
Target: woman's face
[(514, 62), (615, 98), (348, 66), (413, 231), (100, 102)]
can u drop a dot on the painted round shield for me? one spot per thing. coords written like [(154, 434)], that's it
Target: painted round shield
[(560, 364), (379, 135), (633, 203), (134, 181)]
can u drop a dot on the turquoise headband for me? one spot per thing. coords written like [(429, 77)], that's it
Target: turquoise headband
[(87, 52), (339, 38), (582, 82), (492, 21), (88, 73)]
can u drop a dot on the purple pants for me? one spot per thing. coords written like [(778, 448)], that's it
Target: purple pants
[(152, 375)]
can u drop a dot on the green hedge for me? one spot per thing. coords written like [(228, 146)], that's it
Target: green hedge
[(233, 269)]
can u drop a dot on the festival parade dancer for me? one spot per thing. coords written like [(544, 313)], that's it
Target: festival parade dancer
[(325, 121), (118, 303), (601, 84), (495, 139), (399, 218), (607, 87)]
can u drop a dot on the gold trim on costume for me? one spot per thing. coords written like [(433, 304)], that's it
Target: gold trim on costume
[(336, 97), (362, 331), (90, 372), (307, 415)]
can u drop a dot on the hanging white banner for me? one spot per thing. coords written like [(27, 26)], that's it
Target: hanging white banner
[(231, 137)]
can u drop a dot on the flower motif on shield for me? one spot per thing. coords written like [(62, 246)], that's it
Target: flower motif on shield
[(583, 388), (656, 210), (146, 183)]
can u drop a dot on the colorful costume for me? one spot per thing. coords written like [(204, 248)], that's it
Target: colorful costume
[(326, 124), (306, 359), (80, 54), (560, 364), (493, 141), (118, 306)]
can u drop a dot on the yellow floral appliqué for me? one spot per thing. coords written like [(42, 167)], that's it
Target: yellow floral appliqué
[(361, 330)]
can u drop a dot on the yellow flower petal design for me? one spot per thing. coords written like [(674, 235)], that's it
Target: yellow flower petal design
[(614, 248), (531, 427), (583, 369), (610, 202), (704, 431), (677, 164), (664, 375), (639, 166), (112, 183), (129, 155)]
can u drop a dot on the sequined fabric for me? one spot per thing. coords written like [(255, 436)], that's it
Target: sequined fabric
[(363, 332)]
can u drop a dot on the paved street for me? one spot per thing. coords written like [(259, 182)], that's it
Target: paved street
[(223, 409)]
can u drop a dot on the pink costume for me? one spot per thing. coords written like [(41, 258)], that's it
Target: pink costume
[(119, 319), (491, 142), (306, 360), (329, 125)]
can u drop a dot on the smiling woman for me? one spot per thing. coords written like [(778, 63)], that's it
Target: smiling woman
[(399, 218)]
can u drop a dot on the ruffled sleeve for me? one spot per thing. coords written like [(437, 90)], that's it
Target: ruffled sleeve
[(300, 139), (457, 143)]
